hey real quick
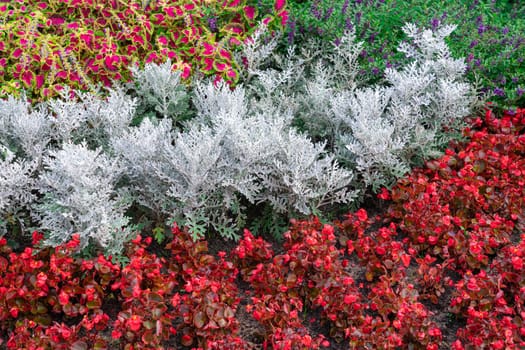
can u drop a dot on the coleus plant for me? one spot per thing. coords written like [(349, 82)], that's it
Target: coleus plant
[(46, 45)]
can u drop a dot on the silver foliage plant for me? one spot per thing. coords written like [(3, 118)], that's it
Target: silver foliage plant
[(380, 131), (271, 161), (16, 183), (79, 196), (159, 92), (92, 163), (48, 170), (280, 138), (229, 152), (24, 135)]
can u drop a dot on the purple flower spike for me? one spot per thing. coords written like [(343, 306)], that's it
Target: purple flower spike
[(315, 11), (212, 22), (345, 6), (348, 24), (291, 34), (481, 29), (434, 23), (328, 13), (499, 92)]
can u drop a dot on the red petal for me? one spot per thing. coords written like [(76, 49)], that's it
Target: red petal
[(405, 258)]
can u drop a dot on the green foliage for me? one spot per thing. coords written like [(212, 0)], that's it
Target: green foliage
[(159, 234), (197, 225), (490, 35), (266, 222)]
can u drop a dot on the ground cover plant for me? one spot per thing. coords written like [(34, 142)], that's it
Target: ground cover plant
[(442, 268), (489, 35)]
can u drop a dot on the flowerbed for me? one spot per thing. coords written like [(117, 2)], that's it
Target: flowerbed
[(451, 242)]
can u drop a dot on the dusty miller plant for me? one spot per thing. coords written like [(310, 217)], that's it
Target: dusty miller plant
[(79, 196), (380, 130), (144, 151), (415, 114), (160, 93), (31, 139), (271, 161), (24, 135), (233, 151), (23, 129), (16, 185), (82, 116)]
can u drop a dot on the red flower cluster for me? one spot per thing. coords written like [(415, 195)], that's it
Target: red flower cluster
[(463, 212), (38, 287)]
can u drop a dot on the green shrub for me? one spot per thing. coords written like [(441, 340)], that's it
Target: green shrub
[(489, 35)]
